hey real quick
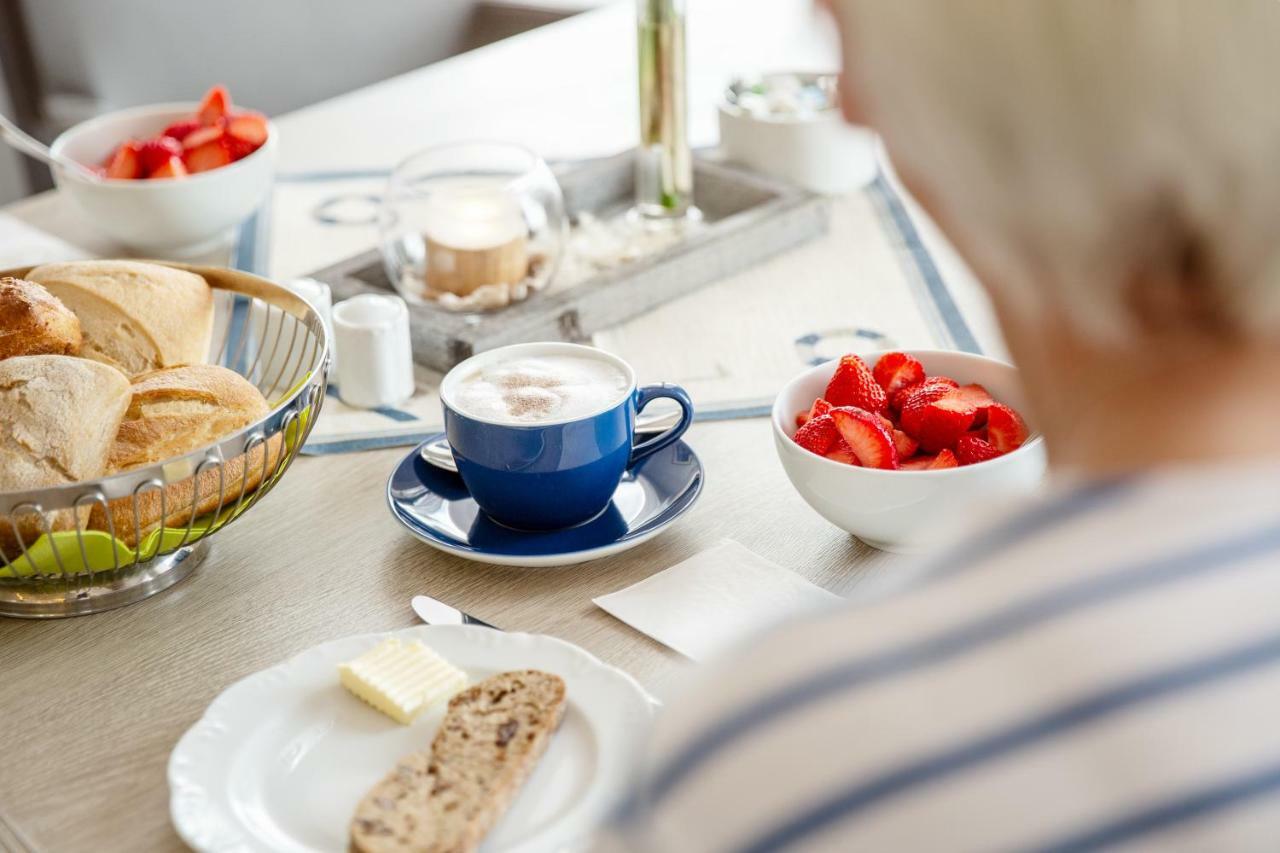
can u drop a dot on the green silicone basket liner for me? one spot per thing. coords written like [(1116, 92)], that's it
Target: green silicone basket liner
[(60, 553)]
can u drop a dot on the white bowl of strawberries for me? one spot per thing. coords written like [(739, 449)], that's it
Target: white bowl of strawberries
[(175, 178), (897, 448)]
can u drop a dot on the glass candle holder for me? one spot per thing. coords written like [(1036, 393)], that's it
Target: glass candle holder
[(472, 226)]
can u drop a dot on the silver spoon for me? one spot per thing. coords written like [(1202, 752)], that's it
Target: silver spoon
[(33, 147), (437, 452)]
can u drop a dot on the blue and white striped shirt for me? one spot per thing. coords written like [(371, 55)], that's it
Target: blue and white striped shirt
[(1101, 671)]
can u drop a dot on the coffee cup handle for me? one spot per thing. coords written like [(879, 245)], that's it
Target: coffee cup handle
[(648, 394)]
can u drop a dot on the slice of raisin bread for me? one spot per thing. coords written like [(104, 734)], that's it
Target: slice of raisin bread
[(444, 800)]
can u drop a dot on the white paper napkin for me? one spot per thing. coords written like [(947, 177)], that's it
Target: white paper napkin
[(713, 600)]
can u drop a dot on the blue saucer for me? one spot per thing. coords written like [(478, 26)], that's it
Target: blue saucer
[(435, 506)]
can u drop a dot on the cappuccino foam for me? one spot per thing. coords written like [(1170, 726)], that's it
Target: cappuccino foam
[(539, 389)]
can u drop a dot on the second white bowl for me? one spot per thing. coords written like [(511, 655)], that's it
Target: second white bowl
[(174, 217), (906, 510)]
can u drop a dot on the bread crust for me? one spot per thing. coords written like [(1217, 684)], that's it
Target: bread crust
[(34, 322), (58, 419), (133, 315), (447, 798), (172, 412)]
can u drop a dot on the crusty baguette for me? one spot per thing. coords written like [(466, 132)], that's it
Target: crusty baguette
[(446, 800), (135, 316), (58, 418), (34, 322), (172, 412)]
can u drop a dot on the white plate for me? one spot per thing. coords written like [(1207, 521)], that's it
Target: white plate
[(281, 758)]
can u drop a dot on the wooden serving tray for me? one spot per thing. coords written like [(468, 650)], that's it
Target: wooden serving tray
[(747, 217)]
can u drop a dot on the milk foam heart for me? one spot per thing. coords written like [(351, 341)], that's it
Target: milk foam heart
[(541, 389)]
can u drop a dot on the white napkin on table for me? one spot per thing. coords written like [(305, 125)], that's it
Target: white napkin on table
[(714, 599)]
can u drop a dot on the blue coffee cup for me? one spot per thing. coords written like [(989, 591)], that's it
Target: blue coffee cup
[(558, 473)]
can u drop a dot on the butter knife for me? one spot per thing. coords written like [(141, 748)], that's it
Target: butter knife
[(435, 612)]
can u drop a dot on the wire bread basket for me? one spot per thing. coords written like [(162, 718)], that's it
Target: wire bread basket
[(85, 547)]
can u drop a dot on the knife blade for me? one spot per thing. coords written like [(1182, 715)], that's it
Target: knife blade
[(436, 612)]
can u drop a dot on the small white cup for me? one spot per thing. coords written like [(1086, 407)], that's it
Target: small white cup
[(375, 359), (317, 293)]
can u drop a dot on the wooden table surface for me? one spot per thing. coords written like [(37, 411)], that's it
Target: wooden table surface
[(94, 705)]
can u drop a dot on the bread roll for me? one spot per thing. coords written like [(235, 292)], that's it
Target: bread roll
[(58, 421), (173, 412), (33, 322), (134, 316)]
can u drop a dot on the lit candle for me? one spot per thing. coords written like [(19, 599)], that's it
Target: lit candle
[(476, 235)]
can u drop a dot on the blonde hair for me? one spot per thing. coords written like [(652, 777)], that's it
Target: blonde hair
[(1114, 161)]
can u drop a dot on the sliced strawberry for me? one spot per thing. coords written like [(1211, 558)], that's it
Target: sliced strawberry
[(853, 385), (905, 444), (171, 168), (818, 436), (819, 407), (180, 130), (156, 152), (944, 459), (977, 396), (248, 127), (842, 453), (870, 442), (215, 105), (971, 450), (914, 402), (942, 422), (1005, 428), (896, 370), (203, 158), (203, 136), (902, 395), (126, 163)]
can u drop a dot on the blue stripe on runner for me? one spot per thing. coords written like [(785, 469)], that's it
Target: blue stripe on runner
[(1178, 810), (386, 411), (253, 242), (1087, 710), (961, 335), (947, 645), (321, 176)]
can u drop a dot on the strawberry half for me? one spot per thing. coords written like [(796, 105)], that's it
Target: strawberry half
[(203, 158), (171, 168), (1005, 428), (819, 407), (900, 397), (203, 136), (943, 421), (126, 163), (156, 152), (914, 402), (214, 106), (818, 435), (870, 442), (944, 459), (905, 444), (971, 449), (897, 370), (180, 130), (979, 398), (853, 385), (842, 453), (248, 127)]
